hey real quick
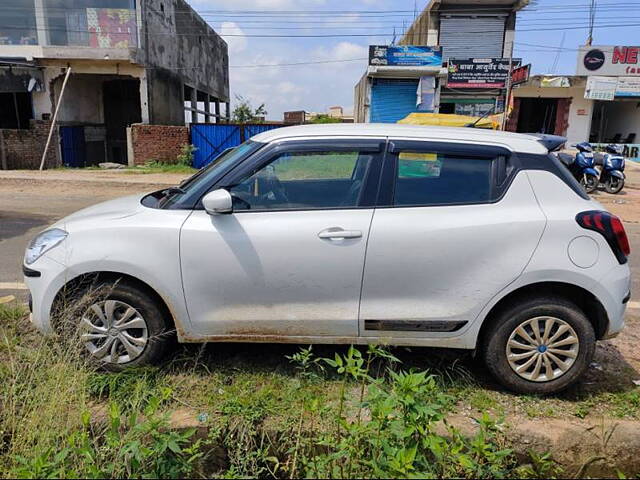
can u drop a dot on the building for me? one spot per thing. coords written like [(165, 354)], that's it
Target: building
[(131, 61), (471, 39), (600, 105), (298, 117)]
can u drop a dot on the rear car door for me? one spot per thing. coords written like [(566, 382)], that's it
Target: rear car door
[(288, 261), (455, 224)]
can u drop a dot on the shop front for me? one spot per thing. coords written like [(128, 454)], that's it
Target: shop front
[(400, 80)]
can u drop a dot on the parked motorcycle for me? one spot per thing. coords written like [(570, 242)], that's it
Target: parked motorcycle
[(612, 174), (582, 166)]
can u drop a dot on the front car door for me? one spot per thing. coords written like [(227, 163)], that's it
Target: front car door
[(456, 224), (288, 261)]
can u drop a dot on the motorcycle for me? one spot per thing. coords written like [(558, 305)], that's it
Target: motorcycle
[(582, 166), (612, 174)]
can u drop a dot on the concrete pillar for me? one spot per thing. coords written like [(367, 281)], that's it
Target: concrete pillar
[(217, 107), (207, 108), (40, 23), (227, 112)]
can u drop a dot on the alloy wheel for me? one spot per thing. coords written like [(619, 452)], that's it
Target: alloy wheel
[(114, 332), (542, 349)]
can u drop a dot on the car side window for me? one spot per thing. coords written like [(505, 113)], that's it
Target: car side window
[(433, 178), (304, 180)]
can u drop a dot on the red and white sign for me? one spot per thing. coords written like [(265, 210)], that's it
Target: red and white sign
[(618, 61)]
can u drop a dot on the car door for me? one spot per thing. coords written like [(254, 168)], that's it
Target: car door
[(288, 261), (455, 225)]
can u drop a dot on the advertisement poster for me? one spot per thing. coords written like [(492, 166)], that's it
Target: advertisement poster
[(630, 151), (426, 94), (479, 72), (521, 74), (111, 27), (601, 88), (405, 56)]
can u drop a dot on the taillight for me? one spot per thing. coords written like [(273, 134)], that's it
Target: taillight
[(610, 227)]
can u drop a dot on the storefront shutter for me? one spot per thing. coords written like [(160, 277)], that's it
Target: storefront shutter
[(471, 37), (392, 100)]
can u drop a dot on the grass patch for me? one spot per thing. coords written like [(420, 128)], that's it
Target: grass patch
[(276, 411), (157, 167)]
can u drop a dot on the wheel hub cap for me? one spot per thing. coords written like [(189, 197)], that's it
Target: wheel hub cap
[(114, 332), (542, 349)]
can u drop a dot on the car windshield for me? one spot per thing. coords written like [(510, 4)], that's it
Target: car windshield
[(205, 176)]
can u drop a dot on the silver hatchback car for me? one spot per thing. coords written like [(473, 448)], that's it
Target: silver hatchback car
[(394, 234)]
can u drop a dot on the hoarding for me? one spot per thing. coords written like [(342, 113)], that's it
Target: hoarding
[(628, 87), (405, 56), (621, 61), (520, 75), (601, 88), (630, 151), (112, 27), (479, 72)]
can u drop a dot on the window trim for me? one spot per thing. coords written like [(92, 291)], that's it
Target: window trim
[(386, 192), (367, 200)]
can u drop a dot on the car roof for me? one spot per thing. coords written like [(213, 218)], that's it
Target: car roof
[(513, 141)]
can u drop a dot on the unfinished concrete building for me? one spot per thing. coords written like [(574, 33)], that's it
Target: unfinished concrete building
[(132, 61)]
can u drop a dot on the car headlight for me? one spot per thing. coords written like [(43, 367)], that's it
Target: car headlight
[(42, 243)]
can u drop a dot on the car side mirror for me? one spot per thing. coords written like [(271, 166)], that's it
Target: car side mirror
[(218, 202)]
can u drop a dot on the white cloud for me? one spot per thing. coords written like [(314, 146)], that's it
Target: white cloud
[(236, 44)]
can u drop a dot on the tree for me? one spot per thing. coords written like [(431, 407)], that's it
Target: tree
[(324, 118), (245, 113)]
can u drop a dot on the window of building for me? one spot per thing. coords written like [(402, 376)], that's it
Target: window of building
[(18, 22), (16, 110), (91, 23), (305, 180), (429, 178)]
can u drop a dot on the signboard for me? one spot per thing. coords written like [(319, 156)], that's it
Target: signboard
[(405, 56), (601, 88), (628, 87), (520, 75), (630, 151), (620, 61), (479, 72)]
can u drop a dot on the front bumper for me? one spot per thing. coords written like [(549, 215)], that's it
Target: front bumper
[(45, 278)]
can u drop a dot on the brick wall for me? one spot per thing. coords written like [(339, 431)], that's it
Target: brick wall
[(157, 142), (23, 148)]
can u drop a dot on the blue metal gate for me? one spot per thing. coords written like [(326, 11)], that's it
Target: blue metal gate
[(74, 148), (211, 140)]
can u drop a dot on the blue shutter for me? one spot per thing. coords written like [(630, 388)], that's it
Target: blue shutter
[(392, 100)]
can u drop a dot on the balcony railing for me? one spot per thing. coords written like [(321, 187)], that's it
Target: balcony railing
[(83, 23)]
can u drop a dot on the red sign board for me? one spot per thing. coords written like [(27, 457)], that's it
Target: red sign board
[(520, 75)]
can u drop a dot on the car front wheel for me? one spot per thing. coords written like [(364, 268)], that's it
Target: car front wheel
[(539, 346), (121, 325)]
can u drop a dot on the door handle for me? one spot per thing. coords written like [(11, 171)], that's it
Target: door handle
[(338, 233)]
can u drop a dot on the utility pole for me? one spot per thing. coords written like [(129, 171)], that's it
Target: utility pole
[(55, 116), (507, 99), (592, 21)]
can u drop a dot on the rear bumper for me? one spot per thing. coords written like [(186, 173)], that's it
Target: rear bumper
[(613, 291)]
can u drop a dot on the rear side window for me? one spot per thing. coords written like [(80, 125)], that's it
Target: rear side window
[(430, 178)]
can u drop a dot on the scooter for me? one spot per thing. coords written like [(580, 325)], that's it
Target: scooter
[(612, 175), (582, 166)]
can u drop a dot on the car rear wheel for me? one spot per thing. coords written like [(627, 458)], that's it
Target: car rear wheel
[(540, 346), (122, 326)]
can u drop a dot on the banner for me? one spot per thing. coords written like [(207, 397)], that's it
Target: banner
[(426, 94), (601, 88), (555, 82), (628, 87), (112, 27), (630, 151), (405, 56), (479, 72)]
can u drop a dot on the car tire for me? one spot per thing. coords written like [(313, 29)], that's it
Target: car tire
[(503, 337), (120, 326)]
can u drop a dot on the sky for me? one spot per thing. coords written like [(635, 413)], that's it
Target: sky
[(548, 34)]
